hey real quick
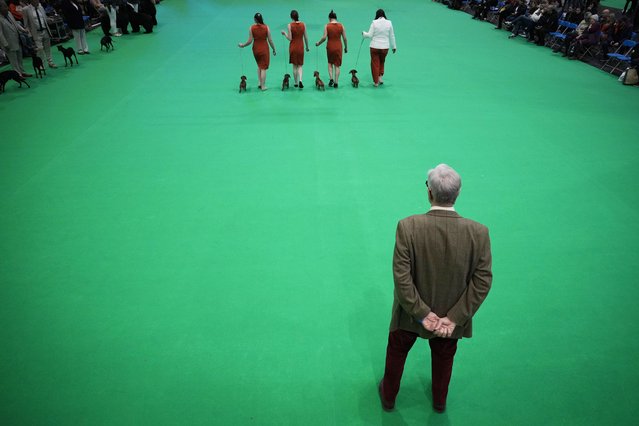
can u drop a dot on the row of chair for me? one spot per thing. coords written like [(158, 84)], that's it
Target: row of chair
[(616, 62)]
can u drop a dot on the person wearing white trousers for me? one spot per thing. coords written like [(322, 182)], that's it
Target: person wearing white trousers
[(80, 37), (73, 14), (109, 6), (113, 16)]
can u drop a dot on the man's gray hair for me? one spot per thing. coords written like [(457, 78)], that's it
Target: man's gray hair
[(444, 184)]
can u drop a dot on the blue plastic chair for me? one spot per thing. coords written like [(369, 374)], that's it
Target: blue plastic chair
[(620, 57), (556, 37)]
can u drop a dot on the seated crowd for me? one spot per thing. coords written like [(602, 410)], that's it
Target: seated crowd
[(26, 26), (591, 31)]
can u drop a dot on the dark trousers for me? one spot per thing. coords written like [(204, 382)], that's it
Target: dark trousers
[(378, 57), (522, 21), (442, 354), (504, 15), (570, 37)]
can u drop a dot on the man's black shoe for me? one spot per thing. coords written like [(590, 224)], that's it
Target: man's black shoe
[(439, 408), (387, 406)]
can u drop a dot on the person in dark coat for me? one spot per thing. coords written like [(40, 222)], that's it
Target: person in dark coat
[(73, 15), (148, 7)]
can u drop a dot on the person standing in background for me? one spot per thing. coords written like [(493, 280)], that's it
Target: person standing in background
[(10, 39), (73, 14), (259, 36), (35, 20), (15, 7), (148, 7), (335, 33), (112, 11), (382, 38), (296, 34)]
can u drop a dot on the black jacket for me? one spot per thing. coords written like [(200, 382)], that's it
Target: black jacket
[(72, 16)]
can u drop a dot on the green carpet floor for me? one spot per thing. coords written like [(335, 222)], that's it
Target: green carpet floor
[(173, 252)]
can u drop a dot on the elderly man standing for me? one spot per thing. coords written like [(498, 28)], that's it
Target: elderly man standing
[(10, 39), (442, 273), (35, 19)]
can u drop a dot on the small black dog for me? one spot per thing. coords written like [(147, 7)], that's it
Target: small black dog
[(319, 84), (11, 75), (68, 52), (243, 83), (285, 82), (38, 65), (354, 79), (106, 42)]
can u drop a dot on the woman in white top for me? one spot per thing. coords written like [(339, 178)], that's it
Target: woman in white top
[(382, 38)]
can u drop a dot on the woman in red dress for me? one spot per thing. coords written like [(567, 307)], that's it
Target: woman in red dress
[(335, 33), (296, 34), (259, 34)]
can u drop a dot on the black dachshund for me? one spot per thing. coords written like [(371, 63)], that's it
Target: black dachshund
[(11, 75), (243, 83), (106, 42), (68, 52), (285, 82), (354, 79), (38, 65)]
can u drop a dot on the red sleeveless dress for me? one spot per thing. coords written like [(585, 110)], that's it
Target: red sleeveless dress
[(260, 46), (334, 46), (296, 48)]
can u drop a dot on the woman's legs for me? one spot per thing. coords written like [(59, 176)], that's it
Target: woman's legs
[(375, 65), (330, 74), (262, 74), (297, 74), (382, 61), (259, 78), (378, 57), (336, 73)]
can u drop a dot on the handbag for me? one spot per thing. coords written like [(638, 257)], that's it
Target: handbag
[(630, 77)]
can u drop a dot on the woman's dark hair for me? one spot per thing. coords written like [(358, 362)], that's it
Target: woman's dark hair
[(380, 14), (332, 15), (258, 18), (294, 15)]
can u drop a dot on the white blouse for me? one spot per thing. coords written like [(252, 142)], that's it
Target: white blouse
[(382, 34)]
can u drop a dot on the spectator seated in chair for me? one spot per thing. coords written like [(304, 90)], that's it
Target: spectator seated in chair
[(482, 9), (547, 23), (571, 36), (574, 14), (589, 37), (615, 35), (512, 10), (526, 22)]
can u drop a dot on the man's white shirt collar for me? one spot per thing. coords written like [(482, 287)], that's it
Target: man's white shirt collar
[(448, 209)]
